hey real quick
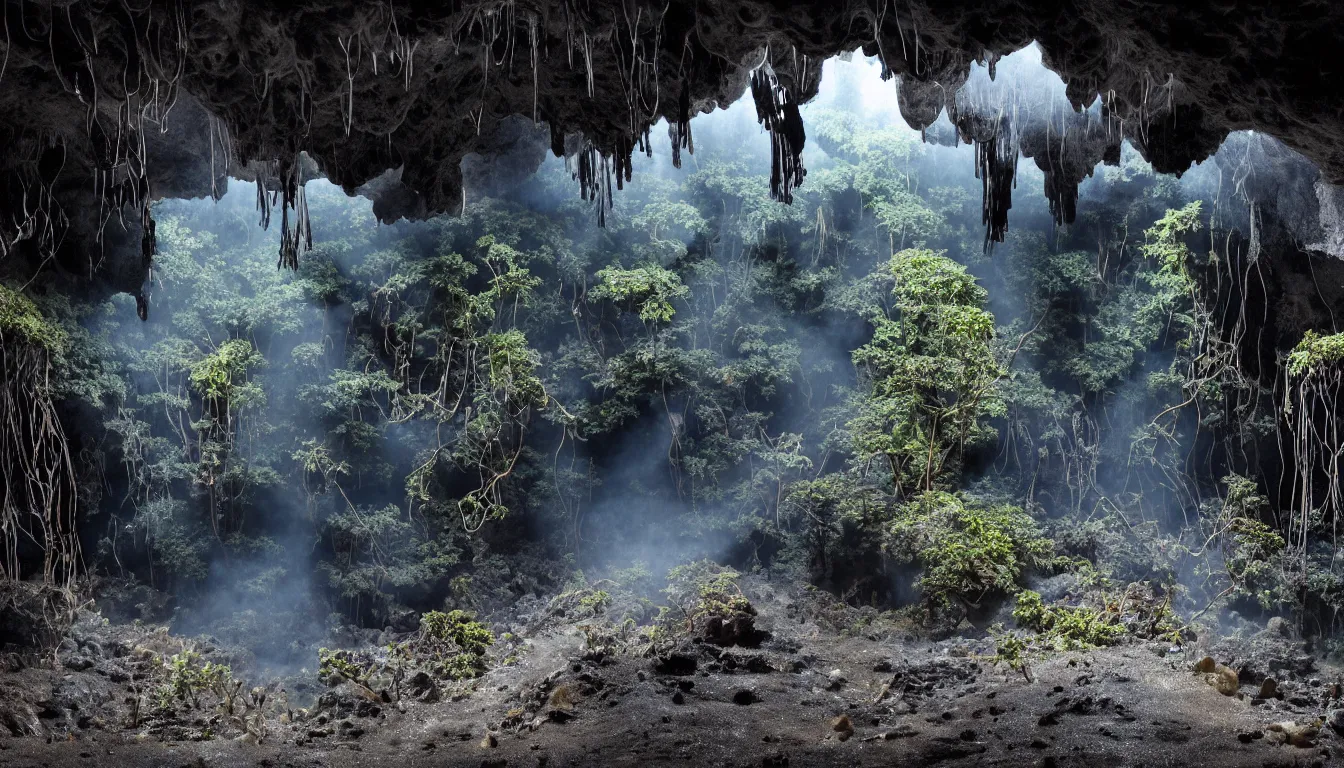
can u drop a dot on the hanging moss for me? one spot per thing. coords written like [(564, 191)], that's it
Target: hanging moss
[(20, 319)]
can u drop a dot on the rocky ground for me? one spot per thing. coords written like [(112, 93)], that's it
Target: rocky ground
[(811, 693)]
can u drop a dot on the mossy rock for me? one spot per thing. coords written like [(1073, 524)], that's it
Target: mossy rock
[(20, 320)]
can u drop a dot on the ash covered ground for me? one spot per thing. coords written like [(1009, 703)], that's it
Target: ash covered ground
[(773, 675)]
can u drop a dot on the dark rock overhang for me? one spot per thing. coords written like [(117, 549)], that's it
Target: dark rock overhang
[(105, 106)]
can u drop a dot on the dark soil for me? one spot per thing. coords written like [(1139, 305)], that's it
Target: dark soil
[(810, 695)]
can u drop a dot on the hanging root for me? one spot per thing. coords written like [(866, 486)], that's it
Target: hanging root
[(778, 113), (37, 476)]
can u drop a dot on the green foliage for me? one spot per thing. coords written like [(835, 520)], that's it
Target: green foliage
[(217, 375), (966, 552), (1251, 551), (449, 646), (185, 678), (702, 589), (21, 321), (470, 637), (650, 288), (821, 383), (1064, 628), (513, 370), (1315, 352), (931, 369)]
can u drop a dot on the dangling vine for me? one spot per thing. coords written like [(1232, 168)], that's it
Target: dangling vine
[(37, 477)]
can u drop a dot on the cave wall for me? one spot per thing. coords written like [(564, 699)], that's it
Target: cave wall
[(107, 106)]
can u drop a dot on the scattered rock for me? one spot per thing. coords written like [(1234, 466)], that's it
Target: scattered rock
[(1289, 732), (1278, 626), (737, 629), (744, 697), (677, 663), (78, 663), (1220, 676), (1269, 688), (490, 741), (903, 732)]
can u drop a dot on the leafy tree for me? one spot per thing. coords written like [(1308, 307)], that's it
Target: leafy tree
[(931, 371)]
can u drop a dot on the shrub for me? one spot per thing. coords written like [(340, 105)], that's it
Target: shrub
[(1065, 628), (713, 603), (966, 552)]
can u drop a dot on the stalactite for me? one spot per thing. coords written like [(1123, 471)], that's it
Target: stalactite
[(1063, 198), (149, 246), (996, 167), (679, 130), (299, 239), (594, 176), (778, 114)]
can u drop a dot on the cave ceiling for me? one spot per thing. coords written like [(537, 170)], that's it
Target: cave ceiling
[(107, 106)]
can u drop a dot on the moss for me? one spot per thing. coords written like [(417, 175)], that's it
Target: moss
[(20, 319), (595, 602), (1315, 352)]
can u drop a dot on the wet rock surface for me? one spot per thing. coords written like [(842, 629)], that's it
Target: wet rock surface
[(422, 106)]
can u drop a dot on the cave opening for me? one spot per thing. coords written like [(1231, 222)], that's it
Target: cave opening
[(619, 379)]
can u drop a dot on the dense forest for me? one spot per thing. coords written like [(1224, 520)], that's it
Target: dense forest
[(857, 391)]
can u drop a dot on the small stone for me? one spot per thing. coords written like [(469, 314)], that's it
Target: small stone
[(490, 741), (1289, 732), (678, 698), (1206, 665), (745, 697), (1269, 688), (1278, 627)]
